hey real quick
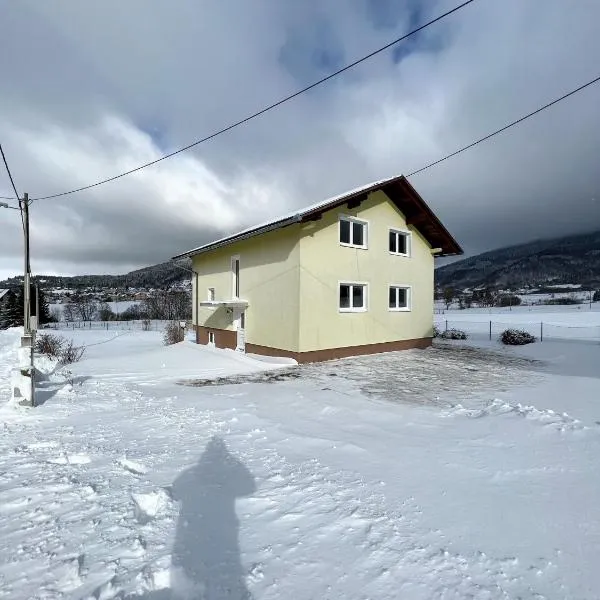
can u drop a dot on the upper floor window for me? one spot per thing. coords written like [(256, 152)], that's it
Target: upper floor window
[(353, 232), (399, 242)]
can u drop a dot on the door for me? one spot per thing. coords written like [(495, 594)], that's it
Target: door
[(240, 324)]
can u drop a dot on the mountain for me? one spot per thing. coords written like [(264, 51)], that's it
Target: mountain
[(156, 276), (571, 259)]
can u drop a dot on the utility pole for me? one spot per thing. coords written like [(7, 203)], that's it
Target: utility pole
[(26, 282), (27, 343)]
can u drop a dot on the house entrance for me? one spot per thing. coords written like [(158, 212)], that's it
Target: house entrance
[(240, 325)]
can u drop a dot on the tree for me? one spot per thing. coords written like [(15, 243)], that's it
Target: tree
[(38, 298), (508, 300), (84, 307), (105, 312), (487, 297), (168, 305), (11, 314), (132, 313), (55, 315), (596, 297), (68, 312), (448, 297)]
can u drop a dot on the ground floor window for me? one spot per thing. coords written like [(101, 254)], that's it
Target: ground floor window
[(353, 297), (399, 297), (211, 337)]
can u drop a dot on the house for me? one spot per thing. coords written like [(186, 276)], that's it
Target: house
[(351, 275)]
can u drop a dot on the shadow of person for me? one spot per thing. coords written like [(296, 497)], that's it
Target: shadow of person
[(206, 562)]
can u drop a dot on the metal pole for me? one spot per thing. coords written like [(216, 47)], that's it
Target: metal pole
[(490, 330), (26, 282), (542, 331)]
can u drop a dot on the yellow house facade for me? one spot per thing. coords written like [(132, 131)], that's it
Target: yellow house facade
[(351, 275)]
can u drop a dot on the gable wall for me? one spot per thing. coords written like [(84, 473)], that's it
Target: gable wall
[(324, 263)]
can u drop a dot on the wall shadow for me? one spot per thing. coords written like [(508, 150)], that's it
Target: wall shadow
[(206, 561)]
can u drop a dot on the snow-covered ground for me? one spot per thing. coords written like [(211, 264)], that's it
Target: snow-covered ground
[(577, 322), (454, 472)]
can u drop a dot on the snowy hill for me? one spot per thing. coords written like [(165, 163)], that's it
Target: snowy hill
[(156, 276), (572, 259)]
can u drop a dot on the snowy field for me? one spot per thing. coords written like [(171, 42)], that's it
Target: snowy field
[(454, 472), (574, 322)]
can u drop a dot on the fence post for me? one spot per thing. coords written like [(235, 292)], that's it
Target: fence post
[(542, 331), (446, 324), (490, 330)]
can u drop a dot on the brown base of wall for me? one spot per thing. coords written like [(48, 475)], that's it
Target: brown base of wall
[(223, 338), (228, 339)]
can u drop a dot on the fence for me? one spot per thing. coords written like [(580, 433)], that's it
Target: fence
[(540, 329), (137, 325)]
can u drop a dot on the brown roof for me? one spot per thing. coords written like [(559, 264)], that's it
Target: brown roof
[(399, 191)]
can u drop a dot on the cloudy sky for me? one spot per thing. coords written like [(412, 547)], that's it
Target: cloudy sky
[(89, 89)]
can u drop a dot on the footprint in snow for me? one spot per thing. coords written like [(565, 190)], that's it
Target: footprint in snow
[(133, 467), (71, 459)]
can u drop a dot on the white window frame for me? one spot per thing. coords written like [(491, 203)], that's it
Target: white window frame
[(351, 220), (365, 296), (211, 294), (407, 235), (211, 338), (408, 306)]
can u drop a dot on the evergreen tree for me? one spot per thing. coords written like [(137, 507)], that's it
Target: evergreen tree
[(11, 313), (42, 302)]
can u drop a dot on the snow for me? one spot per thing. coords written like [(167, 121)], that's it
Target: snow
[(454, 472), (577, 322)]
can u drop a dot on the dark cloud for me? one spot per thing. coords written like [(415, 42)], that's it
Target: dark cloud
[(102, 87)]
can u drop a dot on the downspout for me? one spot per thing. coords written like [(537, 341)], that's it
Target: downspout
[(197, 304)]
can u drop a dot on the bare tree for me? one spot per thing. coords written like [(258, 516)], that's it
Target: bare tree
[(448, 297), (85, 308), (55, 314), (168, 305), (68, 312), (105, 312)]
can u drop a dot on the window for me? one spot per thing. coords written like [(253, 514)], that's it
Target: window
[(235, 272), (353, 232), (399, 298), (211, 294), (211, 338), (353, 297), (399, 242)]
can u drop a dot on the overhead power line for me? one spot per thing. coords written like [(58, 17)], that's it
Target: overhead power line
[(14, 187), (12, 181), (264, 110), (490, 135)]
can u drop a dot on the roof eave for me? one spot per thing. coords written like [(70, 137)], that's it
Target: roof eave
[(240, 237)]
